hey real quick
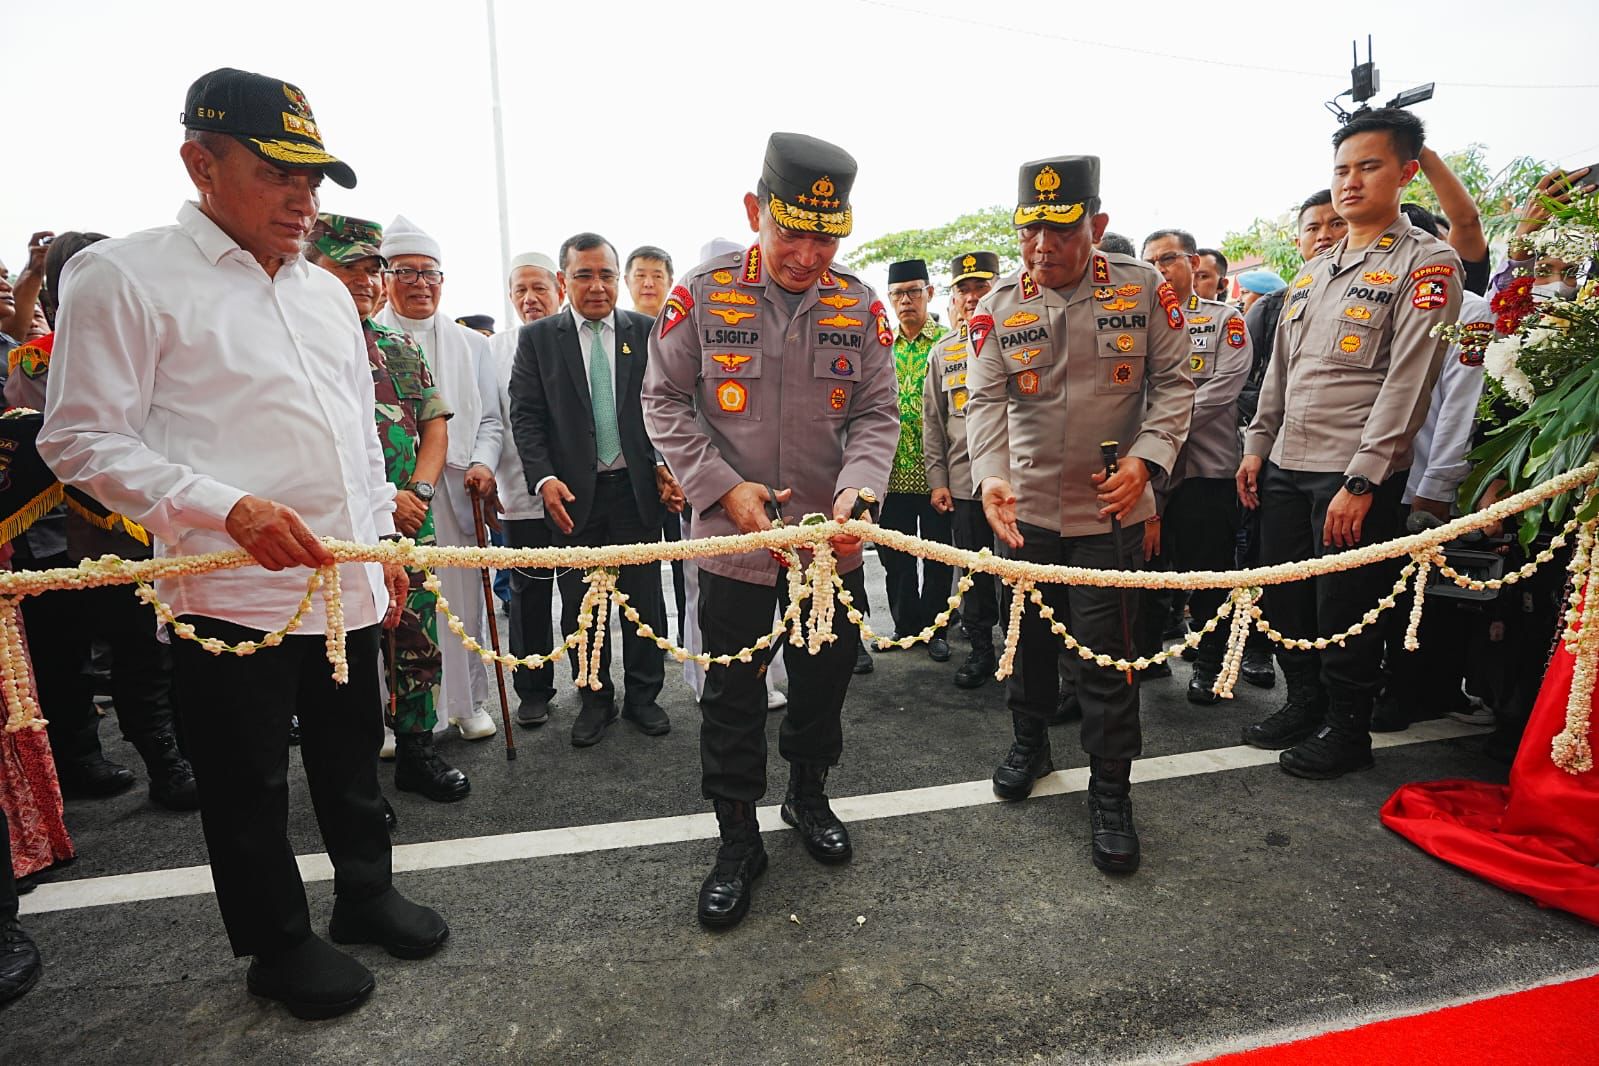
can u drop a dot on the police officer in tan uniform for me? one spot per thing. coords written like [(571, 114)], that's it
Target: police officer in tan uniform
[(771, 389), (948, 461), (1197, 528), (1080, 347), (1328, 453)]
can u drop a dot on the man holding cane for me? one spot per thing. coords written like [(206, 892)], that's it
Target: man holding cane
[(1080, 347)]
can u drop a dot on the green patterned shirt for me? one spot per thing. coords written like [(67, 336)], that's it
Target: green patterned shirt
[(406, 397), (910, 368)]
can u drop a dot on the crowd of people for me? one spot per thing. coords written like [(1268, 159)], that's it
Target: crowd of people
[(216, 384)]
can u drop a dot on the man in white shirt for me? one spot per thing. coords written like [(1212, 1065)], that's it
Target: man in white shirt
[(536, 292), (463, 369), (212, 385)]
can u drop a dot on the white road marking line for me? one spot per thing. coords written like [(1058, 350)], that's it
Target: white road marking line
[(644, 832)]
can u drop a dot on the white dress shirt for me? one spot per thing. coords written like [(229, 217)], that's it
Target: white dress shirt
[(1439, 465), (514, 496), (185, 378)]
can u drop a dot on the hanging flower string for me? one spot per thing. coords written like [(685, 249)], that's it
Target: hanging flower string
[(1570, 749)]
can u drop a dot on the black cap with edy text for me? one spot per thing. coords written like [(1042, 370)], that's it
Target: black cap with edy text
[(270, 117)]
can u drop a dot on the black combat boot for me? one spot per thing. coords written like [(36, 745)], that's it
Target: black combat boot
[(1110, 815), (1202, 683), (1299, 717), (727, 890), (171, 777), (418, 768), (980, 662), (806, 809), (1027, 760), (1340, 746)]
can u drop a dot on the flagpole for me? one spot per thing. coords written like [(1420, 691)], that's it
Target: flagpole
[(499, 166)]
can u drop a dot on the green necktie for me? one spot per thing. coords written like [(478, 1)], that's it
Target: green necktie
[(607, 438)]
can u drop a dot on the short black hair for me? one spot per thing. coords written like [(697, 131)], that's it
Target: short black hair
[(582, 242), (62, 248), (1115, 242), (1403, 128), (1221, 260), (1184, 238), (1421, 218), (649, 251), (1319, 198)]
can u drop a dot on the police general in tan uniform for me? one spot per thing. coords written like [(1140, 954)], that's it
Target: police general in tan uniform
[(771, 386), (1328, 453), (1082, 346), (948, 461)]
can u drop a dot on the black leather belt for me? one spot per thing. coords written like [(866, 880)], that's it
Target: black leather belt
[(620, 474)]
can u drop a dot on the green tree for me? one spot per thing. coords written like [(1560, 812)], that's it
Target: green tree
[(1497, 192), (989, 229), (1276, 240)]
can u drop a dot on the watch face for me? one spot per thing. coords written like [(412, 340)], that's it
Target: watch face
[(423, 490)]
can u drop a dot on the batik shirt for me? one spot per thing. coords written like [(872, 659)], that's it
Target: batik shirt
[(910, 369), (406, 397)]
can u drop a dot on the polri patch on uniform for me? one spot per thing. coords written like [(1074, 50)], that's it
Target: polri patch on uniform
[(1025, 356), (1358, 312), (1235, 332), (1104, 293), (842, 367), (1133, 290), (752, 265), (1020, 318), (1386, 241), (1119, 304), (1379, 277), (732, 362), (1435, 270), (732, 396), (1349, 343), (837, 398), (826, 278), (732, 316), (1430, 294), (957, 400), (1304, 281), (1029, 287), (885, 336), (1101, 270), (1124, 342), (840, 321), (1122, 374), (678, 305), (1027, 383), (1168, 300), (1193, 303), (837, 302), (1474, 340), (722, 277), (1198, 320), (1196, 362), (978, 330), (732, 296)]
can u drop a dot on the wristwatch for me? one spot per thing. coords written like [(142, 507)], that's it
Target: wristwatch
[(1357, 485), (423, 490)]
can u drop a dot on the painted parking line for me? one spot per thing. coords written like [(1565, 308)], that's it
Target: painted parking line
[(645, 832)]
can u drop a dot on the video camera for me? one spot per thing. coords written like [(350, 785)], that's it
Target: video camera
[(1472, 555), (1364, 83)]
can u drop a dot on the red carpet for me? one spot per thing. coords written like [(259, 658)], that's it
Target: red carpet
[(1554, 1025)]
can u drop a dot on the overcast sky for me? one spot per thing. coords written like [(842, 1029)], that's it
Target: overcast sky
[(646, 122)]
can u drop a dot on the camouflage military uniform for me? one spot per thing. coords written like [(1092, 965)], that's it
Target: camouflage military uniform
[(406, 397)]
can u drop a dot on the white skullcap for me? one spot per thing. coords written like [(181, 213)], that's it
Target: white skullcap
[(404, 237), (533, 259)]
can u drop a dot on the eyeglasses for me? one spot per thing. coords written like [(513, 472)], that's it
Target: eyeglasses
[(583, 277), (907, 294), (407, 276), (1164, 261)]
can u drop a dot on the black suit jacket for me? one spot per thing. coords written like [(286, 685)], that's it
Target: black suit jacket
[(552, 415)]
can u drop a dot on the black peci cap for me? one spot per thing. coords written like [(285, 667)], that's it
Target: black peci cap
[(807, 184), (1056, 190), (908, 270), (983, 265), (270, 117)]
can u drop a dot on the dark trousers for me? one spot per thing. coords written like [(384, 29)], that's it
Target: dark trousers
[(61, 625), (8, 879), (532, 597), (235, 713), (980, 607), (733, 615), (1094, 616), (1293, 512), (914, 605), (614, 519), (672, 529), (1248, 558), (1199, 531)]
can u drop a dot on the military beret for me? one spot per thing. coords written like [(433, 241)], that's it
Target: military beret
[(1056, 191), (983, 265), (1264, 282), (269, 117), (908, 270), (807, 183), (344, 239)]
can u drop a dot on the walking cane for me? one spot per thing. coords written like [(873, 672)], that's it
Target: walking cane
[(494, 629), (1107, 452), (394, 682)]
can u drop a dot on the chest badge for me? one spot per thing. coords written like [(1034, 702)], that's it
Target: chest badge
[(732, 362), (1359, 312), (723, 277), (731, 315), (1120, 304), (1027, 383), (732, 397), (1236, 335), (837, 398), (1020, 318), (1349, 343), (1027, 355), (1124, 343), (1196, 363), (840, 321), (842, 367), (838, 303), (1379, 277)]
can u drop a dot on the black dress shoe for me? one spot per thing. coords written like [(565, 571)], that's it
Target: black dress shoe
[(390, 819), (404, 929), (1025, 763), (977, 669), (1110, 816), (20, 965), (863, 659), (649, 717), (806, 809), (532, 712), (1257, 668), (171, 777), (1200, 685), (1332, 751), (93, 778), (589, 726), (938, 650), (727, 890), (418, 768), (313, 979)]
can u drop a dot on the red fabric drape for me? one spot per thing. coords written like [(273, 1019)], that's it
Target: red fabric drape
[(1538, 836)]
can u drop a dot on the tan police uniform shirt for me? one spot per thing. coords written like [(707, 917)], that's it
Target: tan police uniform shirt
[(1354, 361), (1220, 355), (741, 389), (944, 450), (1055, 372)]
